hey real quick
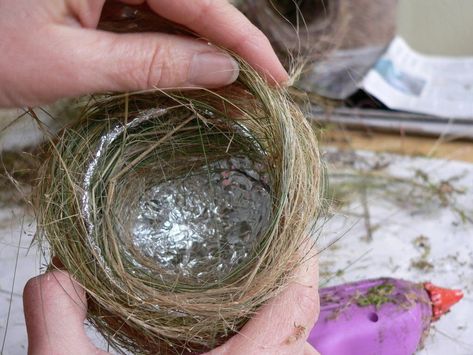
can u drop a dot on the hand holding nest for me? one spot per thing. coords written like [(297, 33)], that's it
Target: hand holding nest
[(55, 310), (52, 49)]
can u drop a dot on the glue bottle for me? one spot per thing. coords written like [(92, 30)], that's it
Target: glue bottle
[(384, 316)]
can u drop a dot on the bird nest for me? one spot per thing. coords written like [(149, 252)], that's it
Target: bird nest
[(181, 213)]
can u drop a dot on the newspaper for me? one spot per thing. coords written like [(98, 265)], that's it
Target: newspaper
[(409, 81)]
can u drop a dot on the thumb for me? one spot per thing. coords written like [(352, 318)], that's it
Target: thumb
[(282, 325), (55, 308), (78, 61)]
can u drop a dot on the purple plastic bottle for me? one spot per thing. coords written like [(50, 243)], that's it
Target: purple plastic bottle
[(378, 317)]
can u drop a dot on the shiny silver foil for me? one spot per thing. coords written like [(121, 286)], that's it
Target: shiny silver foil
[(200, 226), (87, 210), (203, 225)]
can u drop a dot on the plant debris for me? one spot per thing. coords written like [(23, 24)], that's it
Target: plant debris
[(376, 296)]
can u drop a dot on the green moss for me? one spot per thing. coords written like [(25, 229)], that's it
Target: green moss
[(376, 296)]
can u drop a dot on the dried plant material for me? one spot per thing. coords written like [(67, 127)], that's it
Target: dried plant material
[(299, 332), (132, 161), (17, 174)]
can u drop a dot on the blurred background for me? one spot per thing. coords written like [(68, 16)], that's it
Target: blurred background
[(445, 28)]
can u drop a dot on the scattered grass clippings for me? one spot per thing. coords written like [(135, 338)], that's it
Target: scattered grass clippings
[(18, 171), (423, 265)]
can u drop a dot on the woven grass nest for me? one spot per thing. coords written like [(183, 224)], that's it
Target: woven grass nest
[(100, 172)]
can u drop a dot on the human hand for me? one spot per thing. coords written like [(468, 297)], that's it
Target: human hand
[(52, 49), (55, 308)]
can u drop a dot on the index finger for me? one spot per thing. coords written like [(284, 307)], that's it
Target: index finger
[(222, 24)]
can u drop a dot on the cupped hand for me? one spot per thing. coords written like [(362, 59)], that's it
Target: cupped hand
[(52, 49), (55, 308)]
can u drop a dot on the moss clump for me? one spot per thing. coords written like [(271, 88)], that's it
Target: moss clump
[(376, 296)]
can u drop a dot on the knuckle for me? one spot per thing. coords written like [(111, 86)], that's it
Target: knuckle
[(142, 66), (167, 66), (155, 67)]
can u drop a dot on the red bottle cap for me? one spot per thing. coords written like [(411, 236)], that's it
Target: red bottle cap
[(442, 299)]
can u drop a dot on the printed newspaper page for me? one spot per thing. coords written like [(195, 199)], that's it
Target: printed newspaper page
[(409, 81)]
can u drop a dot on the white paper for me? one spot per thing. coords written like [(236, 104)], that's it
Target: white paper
[(409, 81)]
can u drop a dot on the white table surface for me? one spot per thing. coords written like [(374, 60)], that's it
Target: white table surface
[(395, 225)]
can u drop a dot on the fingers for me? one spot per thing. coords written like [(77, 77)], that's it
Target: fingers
[(55, 309), (72, 59), (76, 61), (283, 325), (222, 24)]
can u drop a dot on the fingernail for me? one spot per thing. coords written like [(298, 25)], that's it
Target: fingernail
[(211, 69)]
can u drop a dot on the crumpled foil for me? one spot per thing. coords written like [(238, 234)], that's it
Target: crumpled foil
[(202, 226)]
